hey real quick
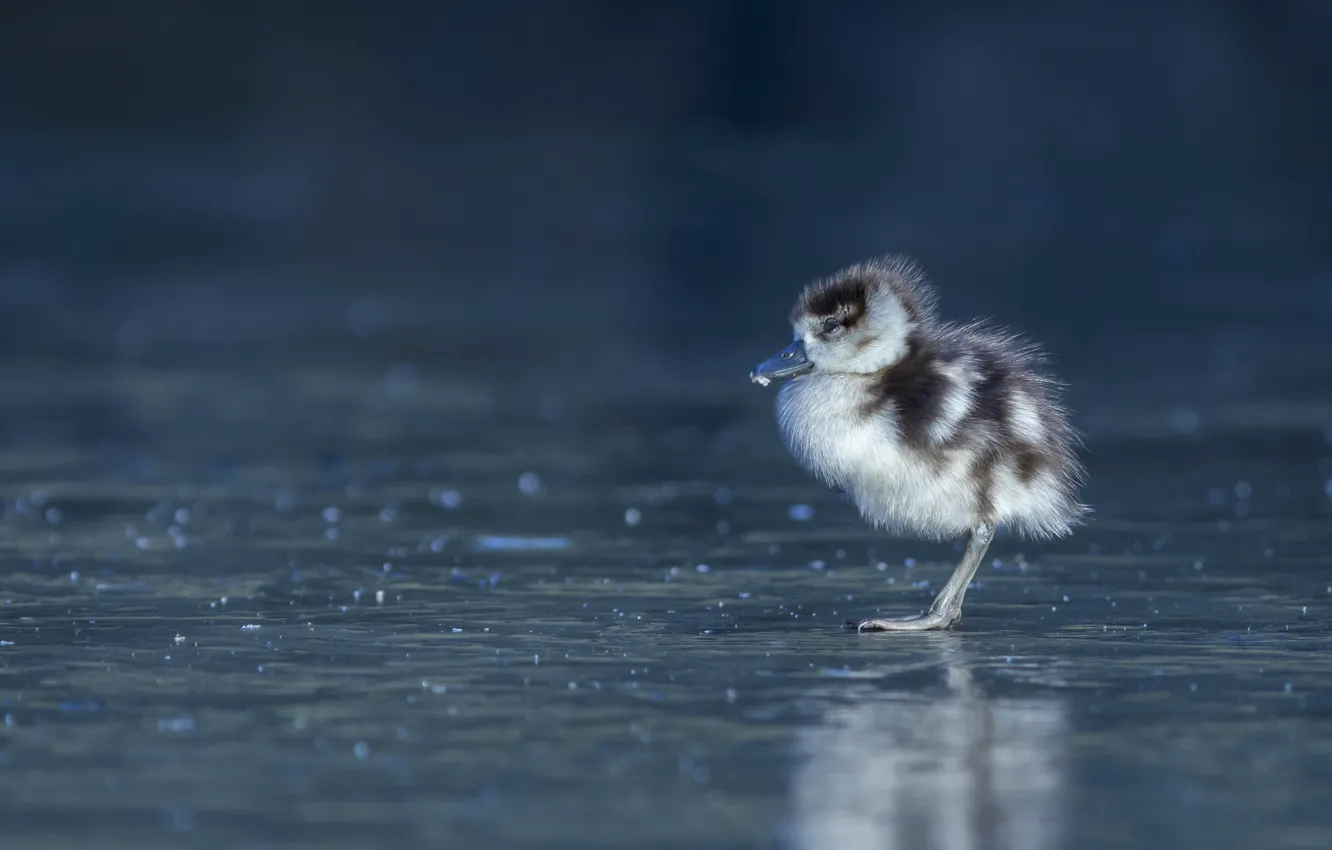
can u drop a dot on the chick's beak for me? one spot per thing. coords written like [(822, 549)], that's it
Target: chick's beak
[(787, 363)]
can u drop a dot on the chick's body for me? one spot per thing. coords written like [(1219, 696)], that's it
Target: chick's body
[(965, 433)]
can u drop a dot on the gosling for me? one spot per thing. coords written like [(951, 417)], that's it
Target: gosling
[(933, 429)]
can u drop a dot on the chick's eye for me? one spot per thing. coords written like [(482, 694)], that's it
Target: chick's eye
[(832, 327)]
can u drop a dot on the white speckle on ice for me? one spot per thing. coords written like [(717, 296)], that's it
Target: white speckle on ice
[(379, 597), (632, 517), (450, 499), (702, 568), (529, 484), (249, 627), (175, 724)]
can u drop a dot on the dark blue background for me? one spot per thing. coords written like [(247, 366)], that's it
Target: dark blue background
[(548, 193)]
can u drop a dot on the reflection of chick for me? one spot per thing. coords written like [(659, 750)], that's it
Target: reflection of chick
[(933, 429), (957, 770)]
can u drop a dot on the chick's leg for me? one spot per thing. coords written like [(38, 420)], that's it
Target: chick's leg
[(947, 607)]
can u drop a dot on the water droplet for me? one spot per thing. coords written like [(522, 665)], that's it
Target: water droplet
[(361, 750), (632, 517), (451, 499), (800, 513), (175, 724), (1184, 420), (529, 484)]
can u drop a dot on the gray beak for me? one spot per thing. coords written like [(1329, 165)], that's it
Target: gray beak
[(787, 363)]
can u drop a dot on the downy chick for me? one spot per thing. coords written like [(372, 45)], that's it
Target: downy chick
[(933, 429)]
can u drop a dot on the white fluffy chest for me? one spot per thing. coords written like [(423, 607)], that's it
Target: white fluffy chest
[(822, 422)]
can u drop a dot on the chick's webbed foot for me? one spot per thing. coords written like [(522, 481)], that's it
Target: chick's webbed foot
[(928, 621)]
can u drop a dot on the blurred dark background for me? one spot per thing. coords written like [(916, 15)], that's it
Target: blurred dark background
[(548, 198)]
